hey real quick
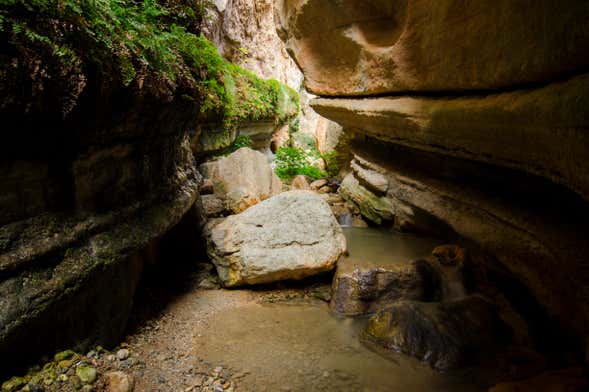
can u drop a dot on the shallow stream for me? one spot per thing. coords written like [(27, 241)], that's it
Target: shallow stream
[(301, 346)]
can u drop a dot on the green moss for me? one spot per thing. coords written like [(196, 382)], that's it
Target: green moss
[(127, 42)]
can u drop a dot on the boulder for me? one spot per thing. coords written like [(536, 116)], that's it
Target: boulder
[(289, 236), (359, 290), (446, 335), (240, 180), (381, 268)]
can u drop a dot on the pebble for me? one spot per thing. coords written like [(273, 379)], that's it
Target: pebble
[(119, 382), (123, 354), (86, 373)]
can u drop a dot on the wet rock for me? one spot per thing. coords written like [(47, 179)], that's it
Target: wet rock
[(119, 382), (446, 335), (240, 181), (290, 236), (86, 373), (565, 380), (367, 289)]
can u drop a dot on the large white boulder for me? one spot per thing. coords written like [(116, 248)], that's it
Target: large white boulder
[(289, 236)]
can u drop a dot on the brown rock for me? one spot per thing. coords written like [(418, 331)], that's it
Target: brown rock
[(315, 185), (371, 47), (517, 129), (300, 183), (119, 382)]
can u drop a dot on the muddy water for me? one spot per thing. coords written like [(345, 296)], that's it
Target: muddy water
[(368, 247), (301, 346)]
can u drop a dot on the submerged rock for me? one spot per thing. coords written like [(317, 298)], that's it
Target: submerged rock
[(358, 290), (290, 236), (446, 335)]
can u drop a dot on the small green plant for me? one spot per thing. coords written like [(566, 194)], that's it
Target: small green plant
[(292, 161), (331, 164), (240, 142)]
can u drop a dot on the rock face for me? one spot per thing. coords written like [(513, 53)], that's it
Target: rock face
[(446, 335), (468, 136), (376, 47), (289, 236), (245, 34), (117, 193), (238, 181), (541, 131)]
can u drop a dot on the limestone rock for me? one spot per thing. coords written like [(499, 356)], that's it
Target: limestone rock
[(289, 236), (389, 47), (245, 34), (240, 180), (520, 129), (317, 184), (117, 381), (375, 208), (327, 134), (372, 180), (446, 335), (300, 183), (359, 290)]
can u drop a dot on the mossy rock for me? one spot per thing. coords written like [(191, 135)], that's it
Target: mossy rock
[(86, 373)]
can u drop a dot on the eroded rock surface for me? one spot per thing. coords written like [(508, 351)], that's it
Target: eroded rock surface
[(375, 47), (289, 236)]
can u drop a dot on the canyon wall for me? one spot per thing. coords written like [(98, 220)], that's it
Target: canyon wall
[(469, 121)]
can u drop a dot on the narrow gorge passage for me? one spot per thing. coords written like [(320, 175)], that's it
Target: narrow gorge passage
[(280, 195)]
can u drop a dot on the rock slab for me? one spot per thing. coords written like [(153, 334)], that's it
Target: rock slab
[(289, 236)]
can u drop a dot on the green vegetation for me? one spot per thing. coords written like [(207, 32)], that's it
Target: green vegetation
[(60, 46), (240, 142), (292, 161), (331, 163)]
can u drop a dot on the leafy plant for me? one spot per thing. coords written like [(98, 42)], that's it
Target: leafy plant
[(240, 142), (292, 161)]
